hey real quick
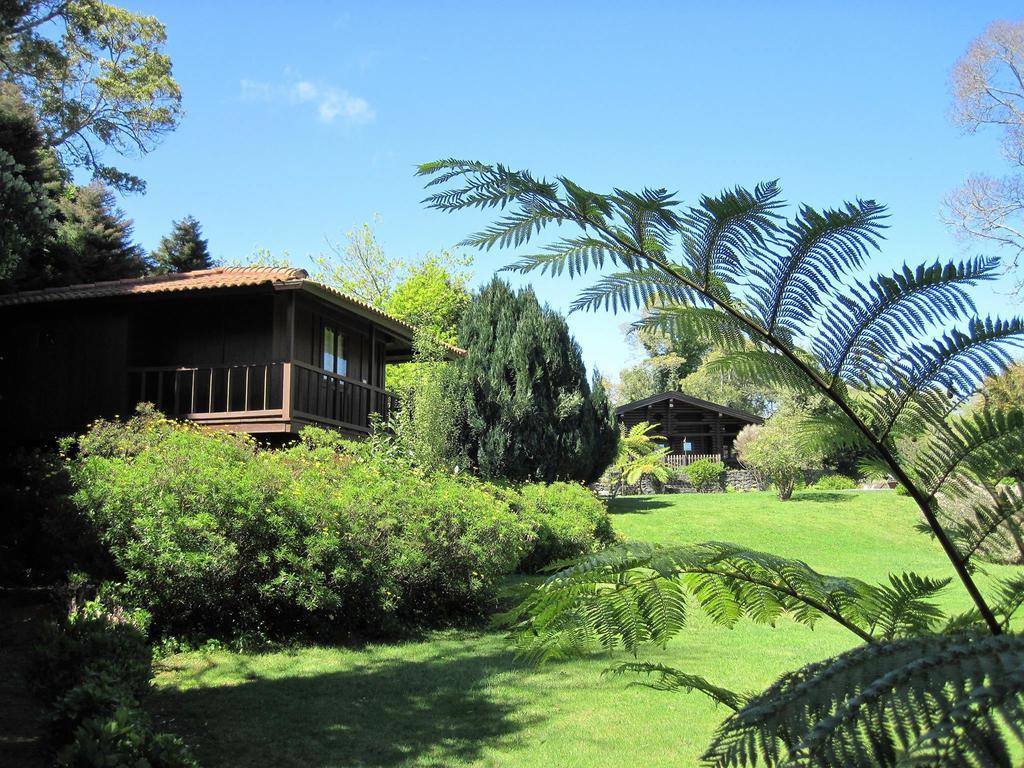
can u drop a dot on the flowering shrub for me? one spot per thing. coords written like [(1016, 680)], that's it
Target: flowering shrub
[(215, 536), (93, 672), (568, 521)]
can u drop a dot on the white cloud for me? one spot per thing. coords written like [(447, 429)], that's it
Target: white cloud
[(331, 103)]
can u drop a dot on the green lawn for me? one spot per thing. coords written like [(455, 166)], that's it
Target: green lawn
[(458, 698)]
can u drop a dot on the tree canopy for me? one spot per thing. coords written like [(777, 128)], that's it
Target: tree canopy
[(97, 76)]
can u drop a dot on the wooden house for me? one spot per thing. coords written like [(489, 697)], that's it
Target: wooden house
[(262, 350), (691, 428)]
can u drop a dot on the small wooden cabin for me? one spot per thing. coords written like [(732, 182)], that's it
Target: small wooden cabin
[(692, 428), (263, 350)]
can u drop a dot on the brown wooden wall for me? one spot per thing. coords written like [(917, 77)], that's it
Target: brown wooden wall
[(60, 367), (310, 317), (66, 363), (677, 421)]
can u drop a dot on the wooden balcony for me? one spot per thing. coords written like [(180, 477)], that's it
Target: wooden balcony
[(685, 459), (261, 397)]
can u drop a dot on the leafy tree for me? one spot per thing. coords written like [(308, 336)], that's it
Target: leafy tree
[(783, 296), (988, 92), (725, 386), (360, 268), (635, 383), (184, 250), (778, 451), (97, 76), (432, 296), (1004, 391), (29, 176), (529, 410)]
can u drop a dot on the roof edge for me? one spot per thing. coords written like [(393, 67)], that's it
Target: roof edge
[(676, 395)]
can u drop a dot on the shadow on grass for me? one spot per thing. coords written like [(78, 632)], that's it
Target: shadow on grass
[(827, 497), (389, 712), (636, 505)]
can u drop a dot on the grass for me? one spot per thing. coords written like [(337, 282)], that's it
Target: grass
[(458, 698)]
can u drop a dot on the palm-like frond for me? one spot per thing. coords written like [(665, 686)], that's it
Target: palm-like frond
[(816, 248), (867, 321), (935, 700), (664, 678), (626, 596)]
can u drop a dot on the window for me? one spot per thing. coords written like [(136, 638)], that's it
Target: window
[(334, 359)]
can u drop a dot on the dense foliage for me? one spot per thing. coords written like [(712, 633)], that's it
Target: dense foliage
[(705, 475), (530, 412), (567, 520), (213, 536), (210, 535), (783, 295), (54, 232), (93, 672)]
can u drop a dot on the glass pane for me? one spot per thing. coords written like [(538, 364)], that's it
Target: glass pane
[(342, 361), (329, 358)]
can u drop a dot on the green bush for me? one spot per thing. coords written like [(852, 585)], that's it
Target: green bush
[(835, 483), (93, 672), (705, 475), (567, 519), (213, 536)]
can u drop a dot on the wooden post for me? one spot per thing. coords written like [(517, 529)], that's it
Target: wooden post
[(286, 391)]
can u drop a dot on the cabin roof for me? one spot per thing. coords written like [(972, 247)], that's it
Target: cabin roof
[(282, 278), (694, 401)]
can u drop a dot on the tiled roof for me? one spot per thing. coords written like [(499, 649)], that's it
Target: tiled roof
[(218, 277), (203, 279)]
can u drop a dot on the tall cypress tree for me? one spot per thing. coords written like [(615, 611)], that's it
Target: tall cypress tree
[(183, 250), (529, 409)]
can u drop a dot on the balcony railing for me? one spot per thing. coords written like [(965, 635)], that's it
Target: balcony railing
[(685, 459), (261, 392), (330, 398)]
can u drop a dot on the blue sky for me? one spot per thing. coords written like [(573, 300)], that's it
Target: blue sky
[(304, 120)]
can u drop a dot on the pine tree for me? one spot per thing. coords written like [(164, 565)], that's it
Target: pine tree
[(92, 243), (530, 412), (183, 250)]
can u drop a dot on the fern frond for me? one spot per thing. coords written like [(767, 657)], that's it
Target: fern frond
[(725, 231), (770, 369), (868, 321), (575, 256), (934, 700), (640, 289), (817, 247), (706, 325), (663, 678), (955, 363), (627, 596), (905, 607)]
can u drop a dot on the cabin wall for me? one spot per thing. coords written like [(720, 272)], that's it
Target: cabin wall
[(680, 422), (61, 366), (362, 362), (198, 330)]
